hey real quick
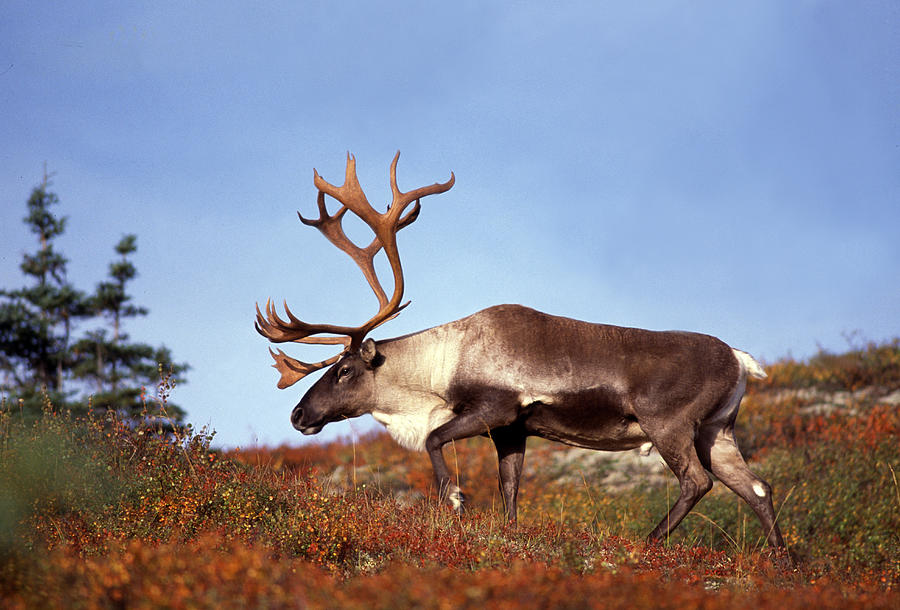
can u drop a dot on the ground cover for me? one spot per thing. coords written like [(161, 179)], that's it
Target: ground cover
[(96, 513)]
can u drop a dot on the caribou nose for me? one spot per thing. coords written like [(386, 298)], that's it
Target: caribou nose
[(296, 414)]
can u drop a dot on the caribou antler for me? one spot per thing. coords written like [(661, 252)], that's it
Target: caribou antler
[(385, 227)]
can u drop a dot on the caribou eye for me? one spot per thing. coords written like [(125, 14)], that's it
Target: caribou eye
[(343, 372)]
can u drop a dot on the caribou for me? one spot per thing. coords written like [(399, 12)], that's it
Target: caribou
[(510, 372)]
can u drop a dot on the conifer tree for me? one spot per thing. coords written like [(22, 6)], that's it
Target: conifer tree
[(37, 321), (41, 358), (118, 372)]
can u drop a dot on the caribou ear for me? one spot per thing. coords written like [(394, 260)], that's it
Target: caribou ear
[(369, 354)]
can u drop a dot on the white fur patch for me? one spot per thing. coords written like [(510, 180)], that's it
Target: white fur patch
[(455, 497), (758, 490), (411, 428), (750, 365), (645, 449), (411, 387)]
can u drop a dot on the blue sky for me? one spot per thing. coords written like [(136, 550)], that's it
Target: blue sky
[(730, 168)]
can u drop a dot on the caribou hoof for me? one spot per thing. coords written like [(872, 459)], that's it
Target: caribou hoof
[(784, 560), (456, 498)]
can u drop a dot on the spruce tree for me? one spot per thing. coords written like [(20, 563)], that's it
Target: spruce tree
[(120, 374), (42, 362), (37, 321)]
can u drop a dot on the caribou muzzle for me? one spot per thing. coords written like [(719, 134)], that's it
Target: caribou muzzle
[(305, 428)]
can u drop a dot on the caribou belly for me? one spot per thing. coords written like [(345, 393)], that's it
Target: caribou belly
[(594, 419)]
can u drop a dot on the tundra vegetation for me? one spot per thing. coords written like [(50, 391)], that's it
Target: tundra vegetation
[(98, 513)]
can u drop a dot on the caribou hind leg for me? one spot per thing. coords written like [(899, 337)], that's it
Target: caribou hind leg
[(719, 453)]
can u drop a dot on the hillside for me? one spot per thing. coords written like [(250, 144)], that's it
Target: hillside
[(96, 514)]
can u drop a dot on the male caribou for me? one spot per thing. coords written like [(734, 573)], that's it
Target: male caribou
[(509, 372)]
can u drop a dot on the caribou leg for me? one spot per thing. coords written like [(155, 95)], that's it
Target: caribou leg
[(719, 453), (471, 422), (677, 449), (510, 444)]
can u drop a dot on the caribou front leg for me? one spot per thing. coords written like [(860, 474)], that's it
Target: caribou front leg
[(510, 444), (676, 446), (472, 422)]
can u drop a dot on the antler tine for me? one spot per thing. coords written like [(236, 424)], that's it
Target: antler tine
[(410, 216), (263, 326), (276, 330), (343, 332), (401, 199), (350, 193), (325, 219)]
